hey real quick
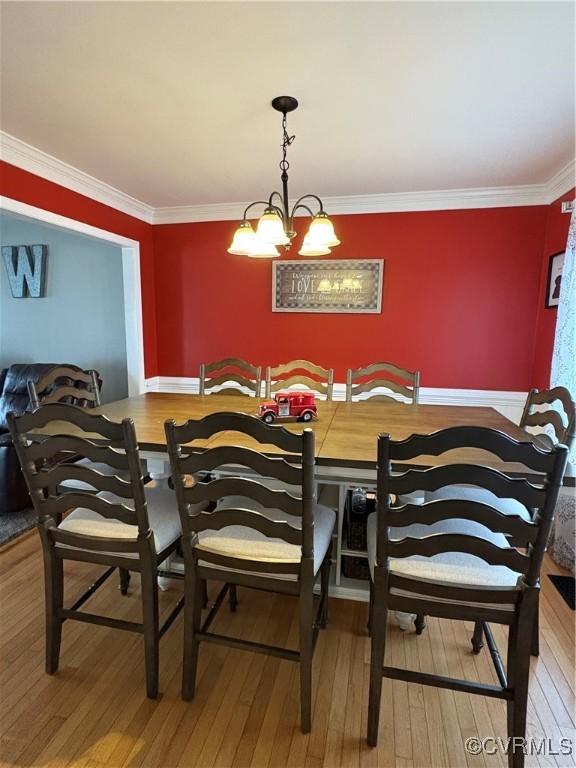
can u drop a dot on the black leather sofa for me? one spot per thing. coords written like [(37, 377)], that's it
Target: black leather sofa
[(14, 397)]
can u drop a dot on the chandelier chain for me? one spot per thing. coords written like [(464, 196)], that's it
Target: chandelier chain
[(286, 142)]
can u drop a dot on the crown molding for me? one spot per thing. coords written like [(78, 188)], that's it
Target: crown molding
[(562, 182), (393, 202), (29, 158)]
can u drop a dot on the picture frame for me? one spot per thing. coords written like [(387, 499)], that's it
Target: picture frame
[(555, 267), (333, 286)]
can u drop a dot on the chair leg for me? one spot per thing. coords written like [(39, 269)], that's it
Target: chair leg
[(306, 651), (151, 629), (124, 580), (477, 639), (420, 623), (194, 592), (378, 647), (324, 587), (204, 593), (54, 596), (232, 597), (519, 646), (535, 650), (370, 608)]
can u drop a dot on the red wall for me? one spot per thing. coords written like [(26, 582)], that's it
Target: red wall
[(463, 296), (28, 188), (460, 298), (556, 235)]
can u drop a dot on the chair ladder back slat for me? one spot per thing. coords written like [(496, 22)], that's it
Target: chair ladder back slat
[(236, 456), (92, 424), (370, 386), (85, 500), (222, 518), (77, 446), (229, 421), (493, 480), (50, 477), (299, 365), (363, 381), (230, 370), (438, 543), (505, 447), (305, 381), (241, 486), (565, 432), (453, 509), (89, 394), (547, 418), (300, 372), (232, 362)]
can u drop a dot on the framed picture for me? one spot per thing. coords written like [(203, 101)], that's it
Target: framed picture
[(554, 279), (332, 285)]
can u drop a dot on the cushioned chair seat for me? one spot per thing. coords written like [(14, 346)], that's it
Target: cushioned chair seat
[(249, 544), (162, 515), (457, 567), (471, 493)]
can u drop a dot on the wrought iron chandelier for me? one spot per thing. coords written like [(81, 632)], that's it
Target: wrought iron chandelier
[(276, 224)]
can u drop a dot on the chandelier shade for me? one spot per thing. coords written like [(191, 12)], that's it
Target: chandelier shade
[(271, 228), (309, 248), (243, 240), (261, 250), (276, 224), (321, 232)]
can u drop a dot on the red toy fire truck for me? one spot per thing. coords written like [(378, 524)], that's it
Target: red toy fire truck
[(300, 406)]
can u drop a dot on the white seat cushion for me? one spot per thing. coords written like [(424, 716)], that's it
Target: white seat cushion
[(457, 567), (249, 544), (472, 493), (162, 515)]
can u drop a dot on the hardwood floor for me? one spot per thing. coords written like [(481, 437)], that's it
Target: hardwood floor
[(94, 711)]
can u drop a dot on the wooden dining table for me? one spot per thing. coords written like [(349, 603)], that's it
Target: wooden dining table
[(346, 444), (345, 433)]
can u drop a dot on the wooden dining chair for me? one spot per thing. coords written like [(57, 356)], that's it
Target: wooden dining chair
[(368, 382), (461, 560), (263, 532), (302, 373), (234, 372), (562, 429), (122, 525), (65, 384), (562, 425)]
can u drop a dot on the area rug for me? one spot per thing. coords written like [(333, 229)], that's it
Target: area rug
[(15, 524), (566, 585)]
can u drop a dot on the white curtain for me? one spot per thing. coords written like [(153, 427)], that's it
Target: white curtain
[(563, 371), (564, 374)]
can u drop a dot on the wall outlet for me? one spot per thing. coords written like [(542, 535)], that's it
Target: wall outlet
[(567, 206)]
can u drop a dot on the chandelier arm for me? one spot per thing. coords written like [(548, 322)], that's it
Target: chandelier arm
[(256, 202), (278, 195), (304, 197), (301, 205)]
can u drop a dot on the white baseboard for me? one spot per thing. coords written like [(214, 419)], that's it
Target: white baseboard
[(510, 404)]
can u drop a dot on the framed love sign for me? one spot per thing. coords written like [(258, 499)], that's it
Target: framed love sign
[(335, 286)]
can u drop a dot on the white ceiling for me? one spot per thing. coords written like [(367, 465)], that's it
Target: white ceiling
[(169, 101)]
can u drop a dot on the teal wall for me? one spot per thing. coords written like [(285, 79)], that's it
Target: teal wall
[(80, 319)]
